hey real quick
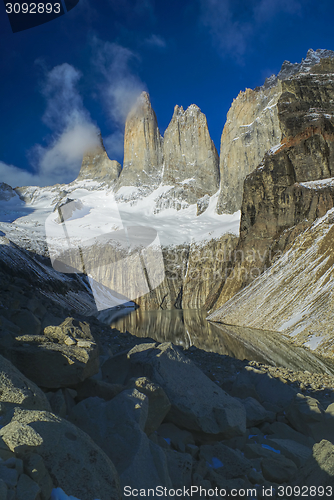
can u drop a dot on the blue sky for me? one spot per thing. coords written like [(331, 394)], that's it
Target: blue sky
[(63, 81)]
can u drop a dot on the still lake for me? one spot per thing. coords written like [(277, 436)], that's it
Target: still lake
[(189, 327)]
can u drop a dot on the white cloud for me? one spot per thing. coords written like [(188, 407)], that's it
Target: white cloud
[(156, 41), (121, 86), (119, 90), (15, 176), (74, 133)]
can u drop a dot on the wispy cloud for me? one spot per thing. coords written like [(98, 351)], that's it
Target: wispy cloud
[(72, 130), (72, 133), (14, 176), (233, 28), (156, 41), (120, 88)]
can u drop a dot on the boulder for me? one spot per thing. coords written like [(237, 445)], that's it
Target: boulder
[(65, 355), (256, 413), (90, 388), (223, 460), (158, 403), (175, 437), (27, 489), (319, 468), (279, 430), (304, 412), (198, 404), (17, 390), (28, 323), (296, 452), (64, 448), (179, 468), (117, 426), (278, 469)]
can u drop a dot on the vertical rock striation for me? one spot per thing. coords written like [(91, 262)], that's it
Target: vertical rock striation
[(252, 127), (191, 161)]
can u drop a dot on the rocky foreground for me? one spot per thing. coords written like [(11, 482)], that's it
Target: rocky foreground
[(92, 411)]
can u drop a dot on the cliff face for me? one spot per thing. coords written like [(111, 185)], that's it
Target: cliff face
[(193, 274), (276, 198), (252, 127), (190, 156), (258, 120), (96, 165), (143, 156), (295, 296)]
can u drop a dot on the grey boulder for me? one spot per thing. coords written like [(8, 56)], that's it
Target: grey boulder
[(117, 426), (73, 460), (198, 404)]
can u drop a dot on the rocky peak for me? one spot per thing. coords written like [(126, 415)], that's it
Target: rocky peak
[(312, 58), (190, 157), (6, 192), (259, 119), (96, 165), (142, 147)]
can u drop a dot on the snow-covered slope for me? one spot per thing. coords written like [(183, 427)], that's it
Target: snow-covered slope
[(100, 216)]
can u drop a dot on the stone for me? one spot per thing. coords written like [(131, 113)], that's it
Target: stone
[(14, 463), (303, 412), (34, 467), (49, 362), (9, 476), (279, 430), (179, 468), (58, 403), (63, 447), (319, 468), (198, 404), (177, 438), (296, 452), (220, 458), (158, 403), (99, 388), (117, 426), (27, 489), (255, 412), (27, 322), (115, 370), (17, 390), (278, 469), (3, 490)]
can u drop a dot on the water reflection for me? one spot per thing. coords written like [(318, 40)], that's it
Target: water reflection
[(190, 327), (185, 327)]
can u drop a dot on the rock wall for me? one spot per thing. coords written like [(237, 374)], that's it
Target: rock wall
[(295, 295), (143, 155), (275, 198), (252, 127), (190, 156), (193, 275)]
